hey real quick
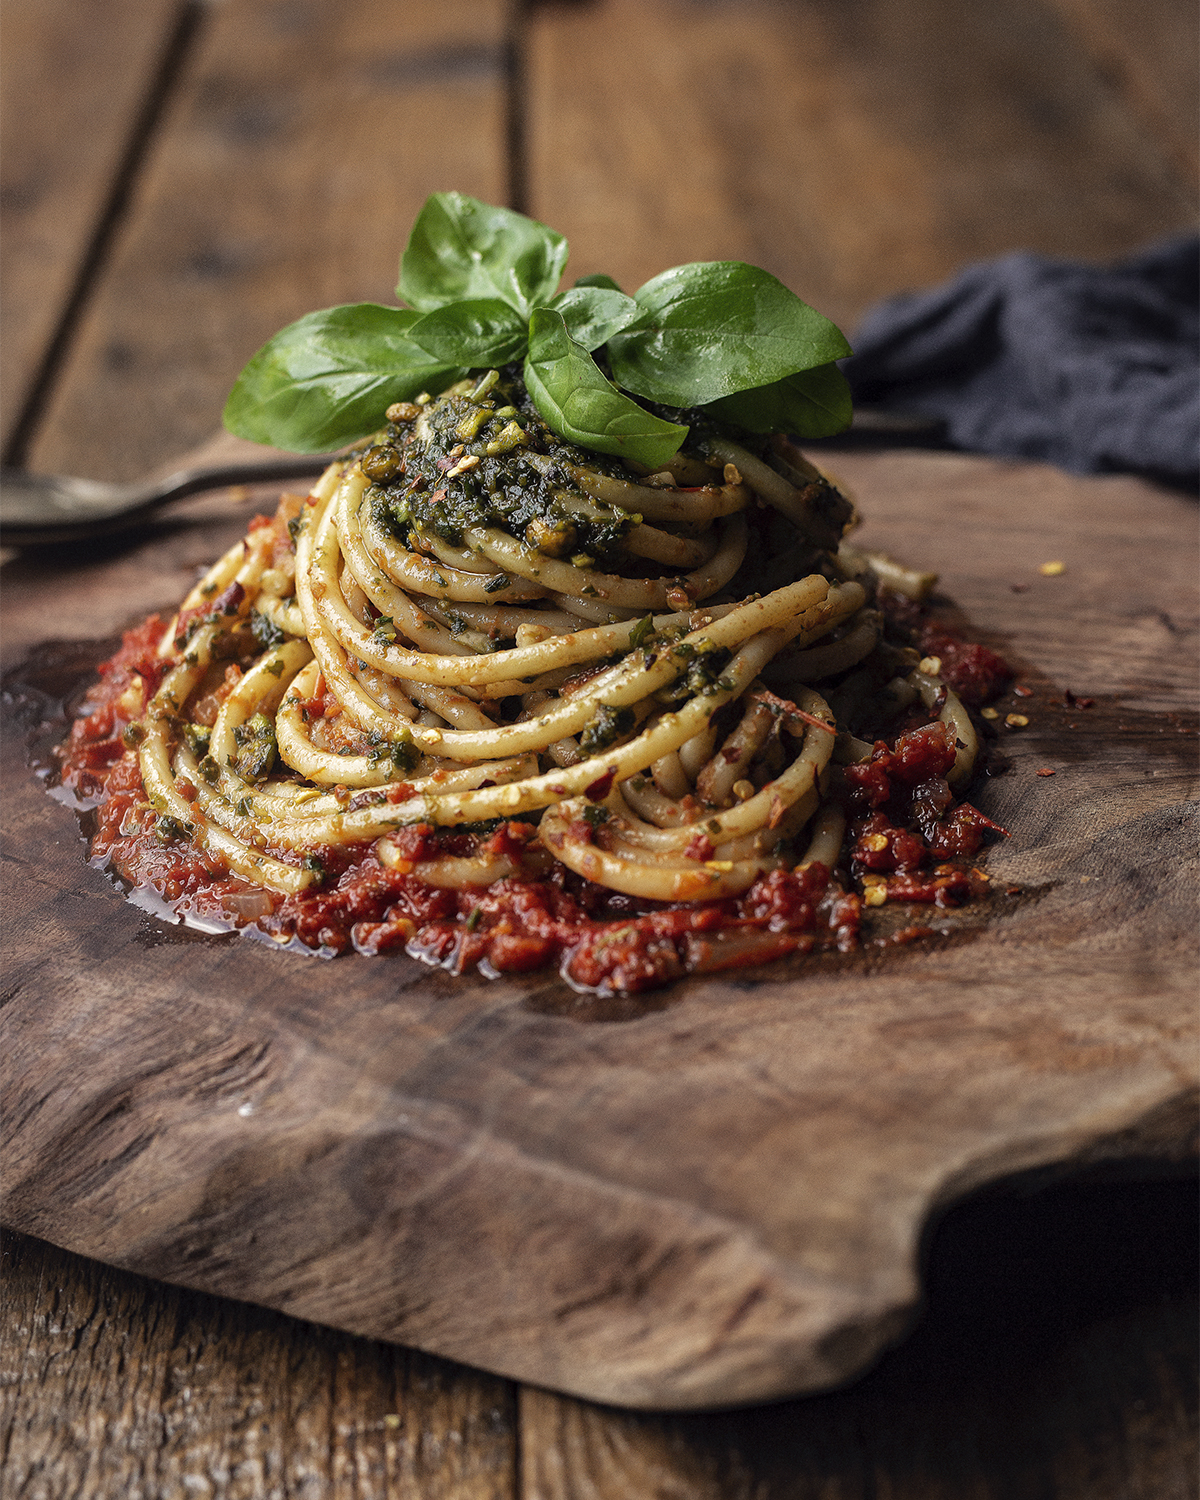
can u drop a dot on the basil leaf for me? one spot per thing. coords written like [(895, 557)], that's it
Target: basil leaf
[(572, 394), (811, 404), (718, 327), (484, 332), (594, 314), (328, 378), (600, 279), (462, 249)]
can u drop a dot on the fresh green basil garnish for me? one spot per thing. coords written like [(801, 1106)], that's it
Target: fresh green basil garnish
[(328, 378), (714, 328), (482, 288), (461, 249), (571, 392), (811, 404), (600, 279), (483, 332), (593, 314)]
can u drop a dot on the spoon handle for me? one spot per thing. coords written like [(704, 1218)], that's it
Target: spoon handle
[(191, 481), (43, 509)]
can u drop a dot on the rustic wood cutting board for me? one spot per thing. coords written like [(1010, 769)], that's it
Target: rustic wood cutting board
[(710, 1195)]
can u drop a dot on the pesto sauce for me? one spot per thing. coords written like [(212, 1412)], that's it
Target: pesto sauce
[(257, 749), (435, 474)]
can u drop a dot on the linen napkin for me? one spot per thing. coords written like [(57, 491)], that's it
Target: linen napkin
[(1096, 369)]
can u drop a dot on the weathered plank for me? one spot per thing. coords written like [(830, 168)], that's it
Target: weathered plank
[(286, 177), (1057, 1355), (111, 1385), (855, 150), (70, 99), (1058, 1347), (1102, 624)]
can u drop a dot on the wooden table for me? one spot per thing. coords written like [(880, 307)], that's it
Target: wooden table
[(182, 179)]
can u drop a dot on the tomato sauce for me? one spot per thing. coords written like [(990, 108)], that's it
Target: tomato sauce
[(907, 841), (976, 673)]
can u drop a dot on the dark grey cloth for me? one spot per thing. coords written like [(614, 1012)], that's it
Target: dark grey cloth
[(1095, 369)]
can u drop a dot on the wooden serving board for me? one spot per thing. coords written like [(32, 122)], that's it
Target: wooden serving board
[(712, 1194)]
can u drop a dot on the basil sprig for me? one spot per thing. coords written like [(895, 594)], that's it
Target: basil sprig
[(713, 329), (570, 391), (481, 285)]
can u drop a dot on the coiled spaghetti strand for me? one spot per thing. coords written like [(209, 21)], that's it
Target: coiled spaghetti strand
[(951, 713), (665, 734), (627, 593), (715, 782), (326, 617), (158, 777), (416, 573), (631, 680), (666, 879), (766, 808)]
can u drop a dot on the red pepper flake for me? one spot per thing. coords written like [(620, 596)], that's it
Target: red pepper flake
[(509, 839), (700, 847), (1045, 771), (1072, 701), (1023, 692), (437, 497), (602, 785), (1012, 890)]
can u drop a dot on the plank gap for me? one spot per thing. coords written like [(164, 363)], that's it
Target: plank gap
[(516, 107), (178, 45)]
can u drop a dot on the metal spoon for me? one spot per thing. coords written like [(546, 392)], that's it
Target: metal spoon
[(39, 509)]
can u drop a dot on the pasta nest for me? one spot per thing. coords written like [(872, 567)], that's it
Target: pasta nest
[(472, 620)]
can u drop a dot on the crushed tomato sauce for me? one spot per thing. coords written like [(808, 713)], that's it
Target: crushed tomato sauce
[(976, 673), (906, 839)]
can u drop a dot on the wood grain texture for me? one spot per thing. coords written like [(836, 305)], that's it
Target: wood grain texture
[(721, 1198), (286, 176), (1057, 1348), (111, 1386), (989, 1445), (1044, 1310), (853, 149), (70, 96), (1107, 623), (1150, 54)]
